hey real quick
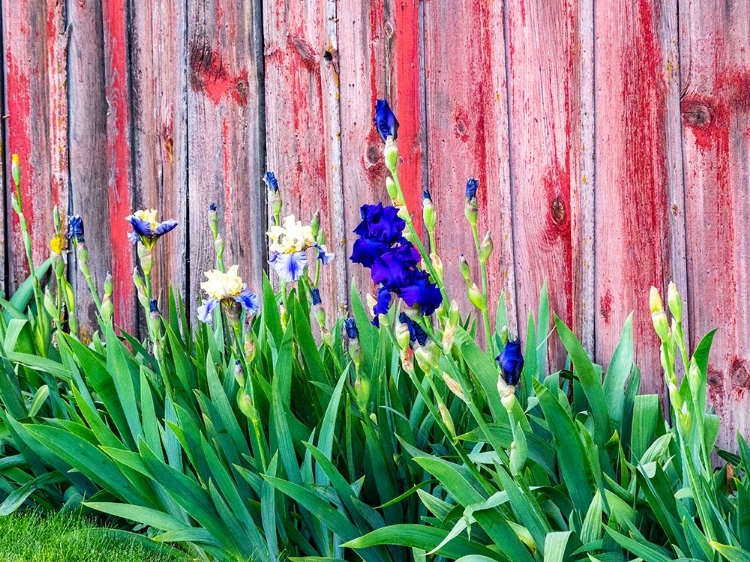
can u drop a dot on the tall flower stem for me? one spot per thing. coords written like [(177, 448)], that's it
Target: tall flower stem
[(485, 311)]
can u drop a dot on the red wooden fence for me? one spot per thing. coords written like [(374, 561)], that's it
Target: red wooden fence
[(611, 140)]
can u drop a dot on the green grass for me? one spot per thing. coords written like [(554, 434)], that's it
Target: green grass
[(31, 537)]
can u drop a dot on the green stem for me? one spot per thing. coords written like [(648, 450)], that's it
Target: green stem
[(485, 312)]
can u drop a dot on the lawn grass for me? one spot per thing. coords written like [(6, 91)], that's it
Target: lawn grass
[(32, 537)]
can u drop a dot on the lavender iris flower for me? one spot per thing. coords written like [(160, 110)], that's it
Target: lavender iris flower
[(511, 362)]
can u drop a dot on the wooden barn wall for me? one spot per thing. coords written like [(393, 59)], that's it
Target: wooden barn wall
[(611, 141)]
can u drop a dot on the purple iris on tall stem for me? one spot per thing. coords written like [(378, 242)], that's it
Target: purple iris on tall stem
[(385, 120), (511, 362)]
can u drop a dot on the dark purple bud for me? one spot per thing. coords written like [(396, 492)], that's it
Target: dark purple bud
[(471, 188), (416, 333), (385, 120), (316, 300), (511, 362), (153, 306), (212, 207), (350, 325)]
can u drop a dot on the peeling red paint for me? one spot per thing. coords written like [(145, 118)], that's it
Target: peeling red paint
[(605, 303), (209, 76)]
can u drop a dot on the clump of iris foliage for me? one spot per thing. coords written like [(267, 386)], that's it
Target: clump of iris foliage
[(263, 430)]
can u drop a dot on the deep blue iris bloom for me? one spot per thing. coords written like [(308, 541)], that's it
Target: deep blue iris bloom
[(316, 300), (75, 228), (471, 188), (396, 268), (385, 120), (511, 362), (380, 223), (416, 333), (350, 325), (383, 303), (142, 230), (423, 293), (271, 181)]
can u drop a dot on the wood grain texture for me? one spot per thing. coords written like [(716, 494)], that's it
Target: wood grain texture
[(715, 69), (224, 158), (119, 157), (466, 137), (88, 151), (544, 131), (158, 54), (632, 237), (297, 111), (30, 31)]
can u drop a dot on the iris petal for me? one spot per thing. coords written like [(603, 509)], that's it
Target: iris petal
[(140, 226), (385, 120), (383, 303), (165, 227), (205, 312), (289, 266), (324, 255), (249, 300)]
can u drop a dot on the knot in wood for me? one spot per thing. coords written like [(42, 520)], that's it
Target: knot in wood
[(557, 210), (739, 374), (373, 154), (696, 114)]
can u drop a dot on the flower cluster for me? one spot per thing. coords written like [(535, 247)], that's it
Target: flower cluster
[(228, 288), (146, 229), (393, 261), (288, 246)]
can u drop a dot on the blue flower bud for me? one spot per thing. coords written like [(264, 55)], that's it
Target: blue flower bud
[(153, 306), (471, 188), (511, 362), (75, 228), (271, 182), (350, 325), (316, 300), (212, 207), (385, 120)]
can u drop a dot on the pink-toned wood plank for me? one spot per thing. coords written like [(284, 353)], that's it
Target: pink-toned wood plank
[(715, 75), (30, 35), (117, 90), (297, 117), (224, 147), (88, 151), (545, 134), (467, 136), (160, 148), (632, 237), (361, 49)]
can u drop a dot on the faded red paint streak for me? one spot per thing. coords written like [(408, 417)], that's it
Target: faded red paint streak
[(118, 157), (643, 182), (407, 105), (209, 75), (605, 308)]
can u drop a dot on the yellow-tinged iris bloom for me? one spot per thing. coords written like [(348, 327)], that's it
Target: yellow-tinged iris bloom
[(292, 237), (222, 285)]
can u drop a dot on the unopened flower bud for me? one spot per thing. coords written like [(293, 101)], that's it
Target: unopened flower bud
[(437, 265), (406, 362), (454, 313), (485, 248), (249, 348), (56, 219), (213, 219), (428, 212), (661, 324), (427, 357), (476, 297), (239, 374), (315, 224), (284, 314), (15, 203), (447, 419), (107, 308), (654, 301), (471, 210), (390, 154), (219, 246), (245, 402), (49, 303), (675, 302), (402, 336), (448, 335), (15, 170), (390, 185), (463, 266), (108, 284), (454, 386), (362, 392)]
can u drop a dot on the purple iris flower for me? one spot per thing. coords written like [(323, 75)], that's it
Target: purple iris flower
[(396, 267), (143, 232), (350, 325), (380, 223), (271, 182), (289, 266), (383, 302), (511, 362), (423, 293), (385, 120), (75, 228), (246, 298), (416, 333), (471, 188)]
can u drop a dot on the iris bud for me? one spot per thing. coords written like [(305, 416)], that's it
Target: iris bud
[(219, 246), (56, 218), (107, 308), (437, 265), (661, 324), (108, 284), (315, 224), (239, 374), (654, 301), (675, 302), (428, 212), (454, 313), (14, 203), (284, 313), (463, 266), (49, 303), (471, 210), (362, 391), (518, 450), (448, 334), (246, 404), (213, 219), (15, 169), (406, 362), (476, 297), (390, 153), (393, 193), (447, 419), (249, 349), (504, 335), (485, 248), (402, 336), (454, 386)]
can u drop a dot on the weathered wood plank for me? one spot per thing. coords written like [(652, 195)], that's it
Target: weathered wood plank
[(467, 136), (30, 34), (88, 151), (363, 34), (545, 128), (296, 41), (158, 68), (715, 71), (224, 145), (119, 163), (632, 237)]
